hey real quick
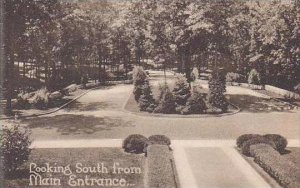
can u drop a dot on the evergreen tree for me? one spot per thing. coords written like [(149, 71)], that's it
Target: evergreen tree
[(181, 90), (146, 100), (217, 87)]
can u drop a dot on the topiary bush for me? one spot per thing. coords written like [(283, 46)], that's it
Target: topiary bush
[(245, 137), (181, 90), (254, 77), (217, 88), (135, 143), (195, 104), (14, 148), (280, 141), (257, 140), (41, 99), (167, 104), (233, 77), (160, 140)]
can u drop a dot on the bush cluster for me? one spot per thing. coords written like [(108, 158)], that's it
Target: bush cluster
[(15, 149), (137, 143), (195, 104), (244, 142), (41, 98)]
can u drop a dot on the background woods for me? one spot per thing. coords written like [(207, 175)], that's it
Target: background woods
[(52, 43)]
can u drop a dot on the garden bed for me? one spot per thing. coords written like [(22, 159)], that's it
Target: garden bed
[(83, 157)]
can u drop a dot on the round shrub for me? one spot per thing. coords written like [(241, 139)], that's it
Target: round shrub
[(15, 149), (245, 137), (135, 143), (233, 77), (160, 140), (254, 77), (41, 98), (280, 141), (257, 140)]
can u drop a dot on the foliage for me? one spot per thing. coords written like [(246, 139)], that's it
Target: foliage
[(15, 149), (23, 100), (194, 74), (281, 168), (181, 90), (245, 137), (233, 77), (41, 98), (195, 104), (135, 143), (159, 139), (140, 81), (217, 87), (280, 141), (167, 104), (146, 100), (253, 141), (254, 77)]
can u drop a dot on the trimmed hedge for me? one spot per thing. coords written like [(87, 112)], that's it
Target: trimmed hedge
[(135, 143), (245, 137), (257, 140), (284, 171), (280, 141), (160, 170), (160, 140)]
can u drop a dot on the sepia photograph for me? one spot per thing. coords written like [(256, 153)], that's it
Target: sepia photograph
[(150, 93)]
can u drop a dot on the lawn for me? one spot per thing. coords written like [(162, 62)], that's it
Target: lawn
[(129, 168)]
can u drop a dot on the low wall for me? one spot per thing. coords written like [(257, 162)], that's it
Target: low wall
[(283, 92)]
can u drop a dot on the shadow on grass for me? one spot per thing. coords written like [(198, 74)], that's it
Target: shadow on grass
[(77, 106), (70, 124), (254, 104)]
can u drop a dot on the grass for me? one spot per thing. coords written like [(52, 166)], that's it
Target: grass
[(254, 104), (73, 124), (88, 157)]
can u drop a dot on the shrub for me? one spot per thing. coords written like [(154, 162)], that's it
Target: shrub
[(135, 143), (245, 137), (233, 77), (181, 90), (284, 172), (217, 87), (140, 78), (160, 140), (146, 99), (41, 98), (195, 104), (254, 77), (194, 74), (14, 148), (257, 140), (23, 100), (280, 141), (167, 104), (162, 89)]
